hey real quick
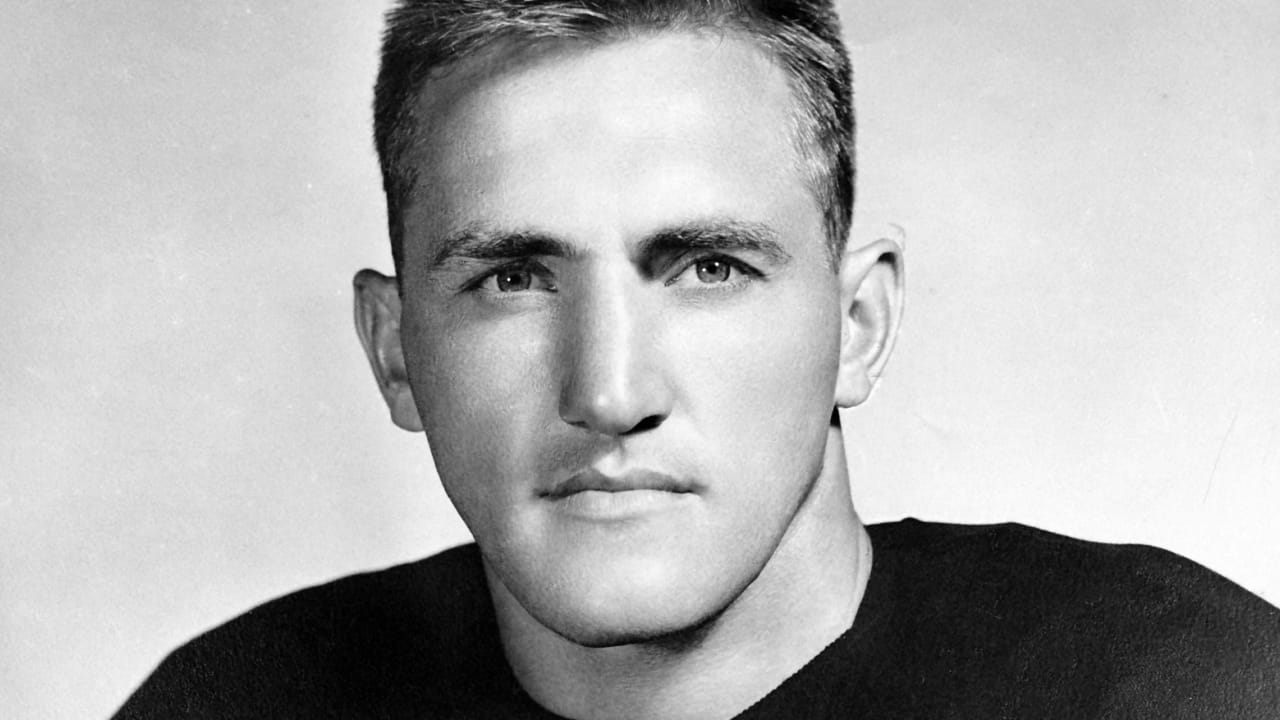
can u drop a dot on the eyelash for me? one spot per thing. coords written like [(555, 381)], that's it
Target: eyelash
[(734, 264), (532, 267), (537, 269)]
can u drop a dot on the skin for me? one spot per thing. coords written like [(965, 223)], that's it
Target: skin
[(615, 274)]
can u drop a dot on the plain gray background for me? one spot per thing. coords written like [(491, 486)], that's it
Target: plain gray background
[(1090, 193)]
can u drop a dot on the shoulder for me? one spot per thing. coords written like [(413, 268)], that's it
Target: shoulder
[(1130, 627), (1124, 579), (333, 646)]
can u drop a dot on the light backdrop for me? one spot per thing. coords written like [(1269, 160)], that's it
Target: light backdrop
[(1090, 196)]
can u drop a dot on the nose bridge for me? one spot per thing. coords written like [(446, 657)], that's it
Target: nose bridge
[(612, 384)]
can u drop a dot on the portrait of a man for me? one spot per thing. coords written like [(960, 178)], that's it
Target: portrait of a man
[(628, 311), (624, 314)]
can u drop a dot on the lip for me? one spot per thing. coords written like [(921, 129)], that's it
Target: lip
[(597, 497), (594, 481)]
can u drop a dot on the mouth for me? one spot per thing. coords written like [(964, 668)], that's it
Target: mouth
[(595, 497), (594, 481)]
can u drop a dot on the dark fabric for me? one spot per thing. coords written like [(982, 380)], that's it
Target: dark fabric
[(1000, 621)]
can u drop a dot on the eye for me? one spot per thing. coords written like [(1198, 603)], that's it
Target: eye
[(719, 271), (517, 277), (513, 280), (712, 270)]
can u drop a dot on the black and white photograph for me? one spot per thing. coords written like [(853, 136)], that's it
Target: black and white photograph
[(640, 359)]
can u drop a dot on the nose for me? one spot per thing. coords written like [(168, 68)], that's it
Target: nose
[(613, 381)]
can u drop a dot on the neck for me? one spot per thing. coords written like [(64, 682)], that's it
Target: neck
[(804, 598)]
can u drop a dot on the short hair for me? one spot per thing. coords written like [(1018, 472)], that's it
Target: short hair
[(425, 37)]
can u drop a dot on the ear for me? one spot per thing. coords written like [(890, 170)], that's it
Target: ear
[(377, 304), (871, 300)]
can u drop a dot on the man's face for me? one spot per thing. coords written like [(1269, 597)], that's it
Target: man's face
[(620, 325)]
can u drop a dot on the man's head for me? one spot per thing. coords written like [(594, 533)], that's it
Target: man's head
[(426, 38), (616, 317)]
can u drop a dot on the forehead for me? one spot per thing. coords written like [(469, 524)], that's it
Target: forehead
[(608, 138)]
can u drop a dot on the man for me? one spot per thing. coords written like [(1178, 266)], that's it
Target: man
[(624, 314)]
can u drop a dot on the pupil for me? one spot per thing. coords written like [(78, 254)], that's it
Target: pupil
[(711, 271), (513, 280)]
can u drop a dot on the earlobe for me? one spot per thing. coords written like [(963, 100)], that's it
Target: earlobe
[(377, 316), (871, 300)]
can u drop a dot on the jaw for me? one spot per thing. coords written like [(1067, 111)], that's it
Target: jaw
[(804, 596)]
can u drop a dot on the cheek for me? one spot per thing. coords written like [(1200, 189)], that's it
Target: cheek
[(477, 373), (765, 377), (761, 412), (481, 394)]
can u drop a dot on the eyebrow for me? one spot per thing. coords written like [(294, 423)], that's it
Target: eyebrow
[(713, 235), (484, 243)]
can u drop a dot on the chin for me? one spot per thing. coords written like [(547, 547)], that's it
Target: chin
[(627, 605), (606, 637), (597, 630)]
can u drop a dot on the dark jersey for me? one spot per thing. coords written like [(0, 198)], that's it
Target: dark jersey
[(1001, 621)]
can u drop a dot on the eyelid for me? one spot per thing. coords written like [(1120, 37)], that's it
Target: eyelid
[(534, 267), (693, 257)]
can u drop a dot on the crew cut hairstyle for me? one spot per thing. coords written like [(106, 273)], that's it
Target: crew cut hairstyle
[(425, 37)]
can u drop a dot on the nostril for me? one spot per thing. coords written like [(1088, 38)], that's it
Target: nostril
[(649, 423)]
